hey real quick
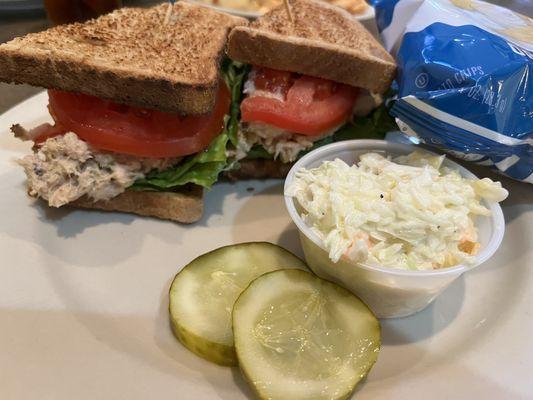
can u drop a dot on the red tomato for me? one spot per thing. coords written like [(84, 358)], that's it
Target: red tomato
[(137, 131), (45, 131), (311, 106), (272, 80)]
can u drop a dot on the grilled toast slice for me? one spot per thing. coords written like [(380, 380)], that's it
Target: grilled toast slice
[(323, 41), (130, 56), (185, 206)]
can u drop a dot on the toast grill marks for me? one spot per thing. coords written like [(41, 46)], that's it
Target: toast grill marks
[(324, 41), (129, 56)]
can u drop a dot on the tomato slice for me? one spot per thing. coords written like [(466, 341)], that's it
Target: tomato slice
[(272, 80), (137, 131), (310, 106)]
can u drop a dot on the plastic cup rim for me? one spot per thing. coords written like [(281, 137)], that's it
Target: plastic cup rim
[(485, 253)]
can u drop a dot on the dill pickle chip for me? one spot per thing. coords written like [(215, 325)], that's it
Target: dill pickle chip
[(300, 337), (202, 295)]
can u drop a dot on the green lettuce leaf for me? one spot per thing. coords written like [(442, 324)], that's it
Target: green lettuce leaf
[(234, 74), (203, 168), (373, 126)]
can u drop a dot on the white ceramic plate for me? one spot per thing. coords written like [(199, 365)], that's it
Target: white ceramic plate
[(83, 301), (368, 15)]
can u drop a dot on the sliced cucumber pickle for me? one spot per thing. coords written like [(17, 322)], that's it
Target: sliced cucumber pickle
[(203, 293), (300, 337)]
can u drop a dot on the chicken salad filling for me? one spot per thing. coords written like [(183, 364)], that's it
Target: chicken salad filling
[(65, 168), (281, 144)]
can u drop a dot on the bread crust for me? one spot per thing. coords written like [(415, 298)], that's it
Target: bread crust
[(129, 56), (40, 68), (335, 46), (185, 206)]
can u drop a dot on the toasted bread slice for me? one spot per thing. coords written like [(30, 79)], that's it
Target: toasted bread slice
[(323, 41), (130, 56), (185, 206)]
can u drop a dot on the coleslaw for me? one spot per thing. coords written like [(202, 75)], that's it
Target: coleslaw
[(409, 212)]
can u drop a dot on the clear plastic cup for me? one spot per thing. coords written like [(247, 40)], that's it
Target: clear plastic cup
[(387, 291)]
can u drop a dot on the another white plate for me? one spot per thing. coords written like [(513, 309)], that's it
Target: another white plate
[(83, 301), (368, 15)]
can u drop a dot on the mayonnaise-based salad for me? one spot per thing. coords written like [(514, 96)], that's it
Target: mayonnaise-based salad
[(408, 213)]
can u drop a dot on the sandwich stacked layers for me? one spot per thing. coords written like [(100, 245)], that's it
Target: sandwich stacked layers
[(147, 111)]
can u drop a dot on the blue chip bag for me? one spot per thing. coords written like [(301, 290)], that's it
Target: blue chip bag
[(465, 79)]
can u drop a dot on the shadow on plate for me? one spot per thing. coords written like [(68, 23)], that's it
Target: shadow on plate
[(217, 376), (428, 322), (97, 238), (214, 200), (64, 363), (78, 237), (126, 334), (147, 339), (405, 338), (70, 222), (289, 239), (249, 224), (438, 381)]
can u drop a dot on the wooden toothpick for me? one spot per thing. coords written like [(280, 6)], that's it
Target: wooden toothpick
[(169, 11), (288, 9)]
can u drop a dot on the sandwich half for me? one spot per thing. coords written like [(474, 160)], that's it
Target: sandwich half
[(311, 81), (140, 109)]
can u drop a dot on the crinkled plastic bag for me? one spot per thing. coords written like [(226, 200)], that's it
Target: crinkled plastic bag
[(465, 77)]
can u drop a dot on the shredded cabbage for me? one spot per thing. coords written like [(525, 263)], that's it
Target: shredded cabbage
[(406, 213)]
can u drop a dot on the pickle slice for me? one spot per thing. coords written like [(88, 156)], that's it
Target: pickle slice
[(300, 337), (203, 293)]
